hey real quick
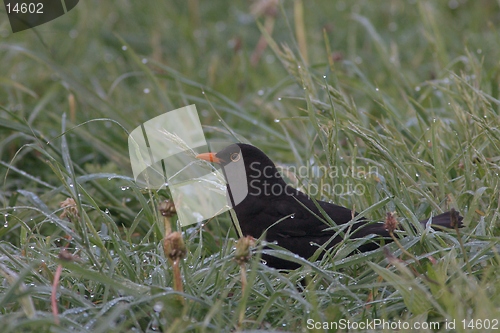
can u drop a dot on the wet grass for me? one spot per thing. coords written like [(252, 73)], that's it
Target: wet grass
[(398, 100)]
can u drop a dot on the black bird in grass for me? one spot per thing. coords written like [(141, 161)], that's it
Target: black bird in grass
[(269, 199)]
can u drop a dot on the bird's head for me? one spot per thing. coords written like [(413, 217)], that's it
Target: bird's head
[(240, 157)]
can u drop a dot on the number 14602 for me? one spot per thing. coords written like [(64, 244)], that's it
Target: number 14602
[(23, 8)]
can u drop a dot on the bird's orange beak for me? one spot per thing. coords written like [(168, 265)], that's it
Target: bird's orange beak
[(210, 157)]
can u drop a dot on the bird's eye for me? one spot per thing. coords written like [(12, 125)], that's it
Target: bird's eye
[(235, 157)]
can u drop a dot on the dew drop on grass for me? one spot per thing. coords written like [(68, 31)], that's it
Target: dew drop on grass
[(260, 92), (146, 90), (158, 306), (376, 89), (279, 98), (276, 120), (324, 76), (417, 88), (124, 47), (144, 60)]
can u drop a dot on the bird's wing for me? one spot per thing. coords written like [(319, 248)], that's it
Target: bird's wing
[(304, 216)]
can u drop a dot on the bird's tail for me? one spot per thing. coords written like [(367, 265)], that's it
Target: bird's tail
[(446, 220), (449, 219)]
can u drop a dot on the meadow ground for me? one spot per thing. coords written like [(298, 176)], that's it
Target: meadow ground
[(399, 99)]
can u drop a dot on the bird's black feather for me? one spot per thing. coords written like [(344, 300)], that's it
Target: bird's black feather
[(270, 199)]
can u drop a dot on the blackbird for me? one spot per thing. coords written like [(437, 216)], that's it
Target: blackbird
[(287, 216)]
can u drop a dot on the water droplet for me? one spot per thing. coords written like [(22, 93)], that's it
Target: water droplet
[(417, 88), (479, 51), (260, 92), (124, 188), (376, 89), (292, 216), (279, 98), (6, 224), (324, 76), (48, 142), (158, 306), (124, 47), (276, 120), (106, 211), (146, 90), (144, 60)]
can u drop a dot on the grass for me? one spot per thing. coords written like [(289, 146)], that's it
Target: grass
[(403, 93)]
